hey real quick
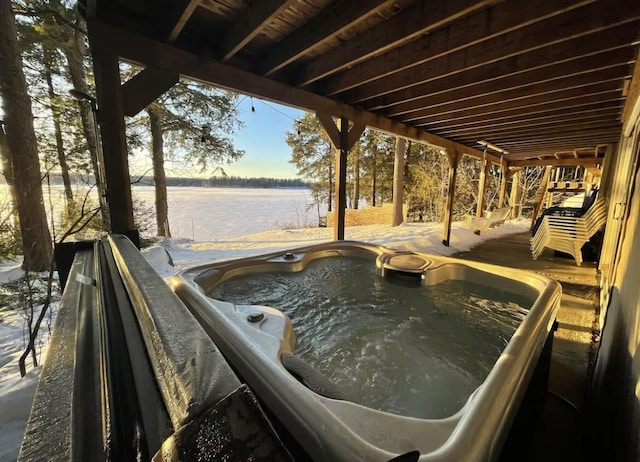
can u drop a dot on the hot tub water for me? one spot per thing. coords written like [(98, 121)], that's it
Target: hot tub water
[(414, 351)]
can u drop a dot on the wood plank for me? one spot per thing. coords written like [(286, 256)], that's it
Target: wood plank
[(562, 41), (419, 19), (584, 161), (145, 87), (331, 21), (551, 129), (526, 112), (487, 93), (568, 96), (537, 150), (609, 116), (631, 110), (565, 59), (249, 24), (149, 52), (184, 16), (556, 114), (496, 22)]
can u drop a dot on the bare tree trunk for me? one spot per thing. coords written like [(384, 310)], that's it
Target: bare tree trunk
[(373, 179), (55, 111), (159, 178), (75, 54), (21, 140), (355, 153), (329, 204), (398, 181)]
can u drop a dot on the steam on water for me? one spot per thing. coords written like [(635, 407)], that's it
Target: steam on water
[(414, 351)]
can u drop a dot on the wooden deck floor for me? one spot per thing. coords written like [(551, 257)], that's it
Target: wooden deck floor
[(574, 346)]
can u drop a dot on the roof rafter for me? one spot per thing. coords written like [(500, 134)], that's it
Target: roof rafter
[(417, 20), (478, 31), (185, 13), (141, 50), (523, 112), (248, 25), (526, 47), (329, 23), (564, 91), (564, 60), (585, 161)]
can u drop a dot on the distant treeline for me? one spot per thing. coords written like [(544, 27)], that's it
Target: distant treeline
[(212, 182)]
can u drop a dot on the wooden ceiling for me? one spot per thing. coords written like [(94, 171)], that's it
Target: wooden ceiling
[(541, 79)]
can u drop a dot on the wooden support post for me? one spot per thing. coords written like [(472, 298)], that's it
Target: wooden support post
[(454, 160), (504, 169), (114, 144), (343, 139), (516, 196), (482, 186), (398, 181), (341, 181), (541, 195)]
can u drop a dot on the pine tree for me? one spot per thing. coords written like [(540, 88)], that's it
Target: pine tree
[(22, 147)]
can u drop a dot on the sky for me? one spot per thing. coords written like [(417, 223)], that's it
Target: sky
[(262, 139)]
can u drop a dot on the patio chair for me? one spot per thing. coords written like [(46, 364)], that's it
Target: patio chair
[(491, 220), (567, 233)]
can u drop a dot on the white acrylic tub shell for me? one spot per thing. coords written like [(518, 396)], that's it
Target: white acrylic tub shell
[(331, 429)]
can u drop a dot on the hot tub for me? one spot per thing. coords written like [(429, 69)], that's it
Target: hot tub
[(367, 353)]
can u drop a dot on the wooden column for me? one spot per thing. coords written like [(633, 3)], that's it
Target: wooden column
[(343, 139), (454, 160), (114, 144), (516, 196), (541, 194), (398, 181), (482, 186), (504, 169)]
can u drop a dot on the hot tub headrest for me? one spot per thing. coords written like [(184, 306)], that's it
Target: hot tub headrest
[(310, 377)]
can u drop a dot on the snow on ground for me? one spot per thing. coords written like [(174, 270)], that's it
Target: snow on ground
[(419, 237), (171, 255)]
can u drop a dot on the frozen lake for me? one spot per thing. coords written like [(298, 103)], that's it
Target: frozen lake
[(207, 214)]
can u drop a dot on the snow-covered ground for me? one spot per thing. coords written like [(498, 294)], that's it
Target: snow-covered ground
[(16, 393)]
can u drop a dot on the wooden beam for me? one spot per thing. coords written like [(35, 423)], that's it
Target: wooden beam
[(567, 97), (581, 74), (631, 111), (482, 186), (569, 58), (341, 180), (354, 134), (332, 21), (145, 87), (249, 24), (572, 161), (504, 169), (415, 21), (570, 30), (577, 124), (330, 128), (507, 23), (183, 18), (602, 100), (590, 110), (148, 52), (454, 160), (540, 195), (114, 145)]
